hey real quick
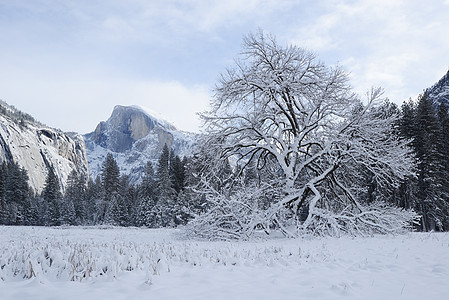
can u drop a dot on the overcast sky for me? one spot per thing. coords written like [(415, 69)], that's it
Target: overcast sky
[(68, 63)]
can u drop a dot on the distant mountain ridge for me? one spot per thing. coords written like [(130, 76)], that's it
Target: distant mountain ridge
[(134, 137), (439, 92)]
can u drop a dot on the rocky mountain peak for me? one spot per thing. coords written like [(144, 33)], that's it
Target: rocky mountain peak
[(134, 136), (125, 126)]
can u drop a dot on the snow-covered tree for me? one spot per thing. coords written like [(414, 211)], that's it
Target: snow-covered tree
[(110, 179), (299, 123), (110, 176), (3, 206), (148, 185), (15, 206), (443, 170), (177, 173), (67, 212), (94, 201), (75, 198), (147, 198), (128, 197), (118, 207), (3, 174), (144, 212), (165, 191), (52, 196)]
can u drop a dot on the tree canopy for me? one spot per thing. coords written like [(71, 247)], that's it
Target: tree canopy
[(299, 122)]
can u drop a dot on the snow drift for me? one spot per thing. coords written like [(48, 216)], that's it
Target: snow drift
[(131, 263)]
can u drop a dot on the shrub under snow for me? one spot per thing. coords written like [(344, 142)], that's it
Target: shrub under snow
[(130, 263)]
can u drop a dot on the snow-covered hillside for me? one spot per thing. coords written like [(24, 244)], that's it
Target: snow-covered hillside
[(132, 263), (134, 137), (439, 92), (35, 147)]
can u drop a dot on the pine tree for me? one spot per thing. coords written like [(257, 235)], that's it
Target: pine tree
[(125, 201), (131, 201), (25, 203), (3, 209), (52, 195), (177, 174), (165, 190), (146, 198), (443, 140), (75, 198), (426, 137), (407, 122), (16, 194), (182, 211), (182, 203), (120, 204), (148, 187), (110, 177), (3, 173), (443, 165), (144, 213), (32, 216), (406, 194), (67, 215), (428, 194), (94, 201), (112, 211)]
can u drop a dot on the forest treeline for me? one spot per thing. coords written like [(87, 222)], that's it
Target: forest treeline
[(160, 200), (166, 195), (426, 125)]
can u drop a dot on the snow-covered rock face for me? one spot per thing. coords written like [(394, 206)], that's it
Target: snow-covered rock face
[(439, 92), (36, 148), (134, 137)]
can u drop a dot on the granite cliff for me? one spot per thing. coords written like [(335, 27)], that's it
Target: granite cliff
[(37, 147)]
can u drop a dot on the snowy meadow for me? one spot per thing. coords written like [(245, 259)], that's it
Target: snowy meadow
[(127, 263)]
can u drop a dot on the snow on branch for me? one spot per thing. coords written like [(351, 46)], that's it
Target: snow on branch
[(298, 120)]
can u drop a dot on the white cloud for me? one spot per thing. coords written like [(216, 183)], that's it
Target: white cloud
[(68, 63), (161, 21), (80, 104), (176, 102), (210, 15), (388, 43)]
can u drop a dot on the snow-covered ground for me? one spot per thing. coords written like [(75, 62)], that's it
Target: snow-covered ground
[(131, 263)]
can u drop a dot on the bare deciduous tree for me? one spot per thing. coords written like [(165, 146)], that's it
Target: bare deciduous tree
[(299, 121)]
